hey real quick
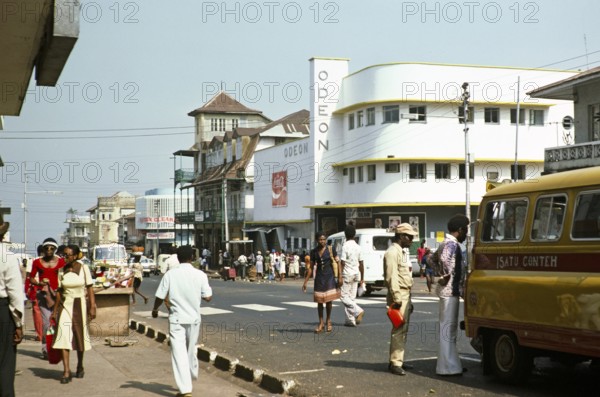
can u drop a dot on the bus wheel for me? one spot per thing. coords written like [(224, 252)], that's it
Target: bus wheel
[(510, 362)]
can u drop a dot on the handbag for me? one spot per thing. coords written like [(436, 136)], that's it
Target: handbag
[(327, 296), (54, 355), (396, 317)]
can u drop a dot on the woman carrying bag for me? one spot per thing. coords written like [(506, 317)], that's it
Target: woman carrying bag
[(325, 265), (71, 312)]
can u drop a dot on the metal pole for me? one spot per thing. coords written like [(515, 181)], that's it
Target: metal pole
[(225, 215), (25, 217), (465, 98), (516, 166)]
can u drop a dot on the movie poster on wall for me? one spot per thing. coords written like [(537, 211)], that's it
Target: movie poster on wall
[(279, 189)]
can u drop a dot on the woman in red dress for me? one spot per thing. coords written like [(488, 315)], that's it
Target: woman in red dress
[(46, 268)]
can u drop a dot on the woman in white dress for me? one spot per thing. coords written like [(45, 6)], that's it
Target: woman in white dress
[(70, 311), (259, 265)]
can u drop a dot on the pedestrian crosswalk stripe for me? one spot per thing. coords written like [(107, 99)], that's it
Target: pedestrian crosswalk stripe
[(148, 314), (377, 301), (259, 308), (207, 311), (312, 305)]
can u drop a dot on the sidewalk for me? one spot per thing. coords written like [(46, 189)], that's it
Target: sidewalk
[(143, 368)]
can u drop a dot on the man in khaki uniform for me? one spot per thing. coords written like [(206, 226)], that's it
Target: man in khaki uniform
[(398, 277)]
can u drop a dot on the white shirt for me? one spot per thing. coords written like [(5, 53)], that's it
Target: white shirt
[(351, 255), (11, 283), (242, 259), (185, 286)]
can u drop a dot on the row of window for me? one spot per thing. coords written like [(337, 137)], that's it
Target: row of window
[(504, 220), (418, 171), (418, 113), (221, 124)]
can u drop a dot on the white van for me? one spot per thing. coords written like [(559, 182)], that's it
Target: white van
[(373, 244)]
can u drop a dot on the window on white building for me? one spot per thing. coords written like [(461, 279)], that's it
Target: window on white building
[(513, 116), (371, 173), (359, 118), (594, 123), (214, 125), (420, 113), (234, 123), (345, 172), (351, 121), (492, 115), (461, 114), (520, 172), (442, 171), (351, 175), (491, 176), (392, 168), (461, 171), (417, 171), (536, 117), (391, 114), (359, 171), (370, 116)]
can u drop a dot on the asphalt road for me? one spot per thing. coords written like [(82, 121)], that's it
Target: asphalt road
[(270, 326)]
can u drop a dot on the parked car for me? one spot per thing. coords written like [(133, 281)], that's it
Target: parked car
[(148, 265), (416, 268)]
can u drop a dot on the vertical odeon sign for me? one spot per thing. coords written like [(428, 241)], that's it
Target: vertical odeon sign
[(326, 75)]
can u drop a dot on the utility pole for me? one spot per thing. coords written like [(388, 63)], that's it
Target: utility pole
[(465, 98), (516, 166), (226, 221)]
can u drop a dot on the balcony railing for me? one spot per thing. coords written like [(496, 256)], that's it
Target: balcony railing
[(184, 175), (573, 156), (216, 216)]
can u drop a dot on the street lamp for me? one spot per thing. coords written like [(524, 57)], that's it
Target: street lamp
[(25, 193), (157, 217)]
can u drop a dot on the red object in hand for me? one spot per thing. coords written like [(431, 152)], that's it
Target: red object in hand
[(396, 317)]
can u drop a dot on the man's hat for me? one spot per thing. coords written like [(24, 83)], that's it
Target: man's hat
[(405, 228)]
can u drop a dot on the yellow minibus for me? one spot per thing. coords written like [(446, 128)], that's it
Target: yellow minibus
[(534, 285)]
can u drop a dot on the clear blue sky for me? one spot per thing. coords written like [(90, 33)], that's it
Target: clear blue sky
[(143, 65)]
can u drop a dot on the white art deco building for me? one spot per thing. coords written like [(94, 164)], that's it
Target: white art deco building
[(387, 145)]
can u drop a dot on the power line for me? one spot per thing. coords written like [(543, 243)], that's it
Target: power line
[(94, 137)]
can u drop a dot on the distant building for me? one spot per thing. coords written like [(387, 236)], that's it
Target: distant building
[(155, 220), (105, 216), (77, 232), (222, 114)]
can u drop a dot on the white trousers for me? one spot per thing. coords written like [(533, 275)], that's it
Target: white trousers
[(348, 294), (183, 339), (448, 362)]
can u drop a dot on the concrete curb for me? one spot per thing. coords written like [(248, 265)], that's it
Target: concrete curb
[(271, 383)]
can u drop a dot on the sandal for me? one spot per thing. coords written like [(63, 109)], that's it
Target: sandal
[(319, 329), (329, 327), (65, 379)]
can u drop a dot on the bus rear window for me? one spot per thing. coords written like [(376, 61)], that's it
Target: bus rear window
[(586, 222), (504, 220)]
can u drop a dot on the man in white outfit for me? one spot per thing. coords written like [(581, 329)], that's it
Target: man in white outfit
[(449, 289), (353, 274), (185, 287)]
